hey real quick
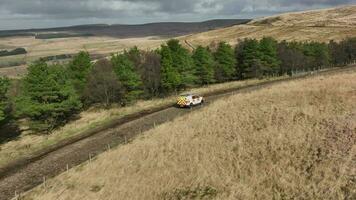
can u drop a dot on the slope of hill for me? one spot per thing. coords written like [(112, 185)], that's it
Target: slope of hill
[(166, 29), (289, 141), (334, 17), (319, 25)]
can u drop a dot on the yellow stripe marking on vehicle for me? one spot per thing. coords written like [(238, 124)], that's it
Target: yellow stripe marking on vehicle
[(181, 101)]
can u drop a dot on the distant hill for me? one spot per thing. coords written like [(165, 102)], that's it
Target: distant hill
[(316, 25), (163, 29)]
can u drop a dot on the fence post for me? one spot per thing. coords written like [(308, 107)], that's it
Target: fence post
[(44, 182)]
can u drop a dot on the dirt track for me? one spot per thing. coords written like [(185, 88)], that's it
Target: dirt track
[(28, 174)]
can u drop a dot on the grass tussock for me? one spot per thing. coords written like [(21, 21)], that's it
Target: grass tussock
[(296, 140)]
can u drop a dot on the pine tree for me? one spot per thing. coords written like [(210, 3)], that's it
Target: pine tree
[(170, 78), (135, 56), (4, 87), (204, 62), (268, 56), (125, 71), (225, 68), (249, 58), (79, 69), (318, 54), (48, 99), (182, 63)]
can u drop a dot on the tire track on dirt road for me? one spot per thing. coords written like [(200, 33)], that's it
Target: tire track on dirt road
[(28, 173)]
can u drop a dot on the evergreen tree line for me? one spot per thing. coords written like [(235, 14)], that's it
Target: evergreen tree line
[(51, 94)]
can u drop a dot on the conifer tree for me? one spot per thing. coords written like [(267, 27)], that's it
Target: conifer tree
[(4, 87), (125, 71), (183, 63), (225, 68), (170, 78), (204, 62), (48, 99), (79, 69), (248, 57), (135, 57), (318, 54), (268, 56)]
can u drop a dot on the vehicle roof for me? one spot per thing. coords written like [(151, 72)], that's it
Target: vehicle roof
[(189, 95)]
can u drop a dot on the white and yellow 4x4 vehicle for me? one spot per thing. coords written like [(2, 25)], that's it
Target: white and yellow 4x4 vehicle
[(189, 100)]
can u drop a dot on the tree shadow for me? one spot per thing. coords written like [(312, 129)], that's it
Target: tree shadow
[(8, 132)]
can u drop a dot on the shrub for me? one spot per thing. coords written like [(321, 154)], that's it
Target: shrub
[(16, 51)]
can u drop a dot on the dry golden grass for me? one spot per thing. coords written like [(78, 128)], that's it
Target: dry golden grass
[(13, 72), (344, 16), (37, 48), (296, 140), (27, 144), (320, 25), (95, 45)]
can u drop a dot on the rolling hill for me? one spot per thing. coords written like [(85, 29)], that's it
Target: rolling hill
[(163, 29), (319, 25)]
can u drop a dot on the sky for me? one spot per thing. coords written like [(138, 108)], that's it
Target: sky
[(22, 14)]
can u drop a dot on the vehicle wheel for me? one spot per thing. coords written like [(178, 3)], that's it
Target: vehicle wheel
[(191, 105), (202, 102)]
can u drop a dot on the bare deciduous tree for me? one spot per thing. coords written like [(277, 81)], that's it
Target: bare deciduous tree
[(103, 85), (150, 71)]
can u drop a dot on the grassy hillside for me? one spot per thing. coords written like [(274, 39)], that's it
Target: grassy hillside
[(25, 144), (295, 140), (334, 17), (319, 25)]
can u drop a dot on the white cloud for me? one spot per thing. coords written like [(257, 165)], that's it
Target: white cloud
[(208, 6), (122, 5)]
